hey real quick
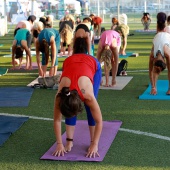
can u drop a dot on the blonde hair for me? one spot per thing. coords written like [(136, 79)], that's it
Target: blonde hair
[(106, 57), (69, 17), (39, 26)]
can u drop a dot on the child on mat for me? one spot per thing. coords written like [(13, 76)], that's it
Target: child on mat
[(80, 81), (19, 45), (108, 51), (159, 53)]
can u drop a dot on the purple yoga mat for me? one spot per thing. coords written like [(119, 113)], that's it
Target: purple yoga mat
[(34, 65), (82, 141)]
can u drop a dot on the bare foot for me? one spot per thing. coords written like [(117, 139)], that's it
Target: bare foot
[(68, 146), (107, 85)]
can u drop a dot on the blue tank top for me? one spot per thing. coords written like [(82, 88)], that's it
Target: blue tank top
[(21, 34), (47, 33)]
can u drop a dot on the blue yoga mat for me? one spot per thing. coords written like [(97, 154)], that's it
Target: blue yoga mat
[(8, 125), (15, 96), (128, 54), (162, 87)]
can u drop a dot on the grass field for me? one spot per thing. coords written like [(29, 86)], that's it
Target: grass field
[(143, 141)]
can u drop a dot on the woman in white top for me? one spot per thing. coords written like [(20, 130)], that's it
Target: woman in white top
[(160, 54)]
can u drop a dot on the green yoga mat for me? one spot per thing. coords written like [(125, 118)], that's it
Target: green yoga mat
[(3, 71)]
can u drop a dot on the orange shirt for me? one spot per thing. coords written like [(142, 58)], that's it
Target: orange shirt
[(97, 20)]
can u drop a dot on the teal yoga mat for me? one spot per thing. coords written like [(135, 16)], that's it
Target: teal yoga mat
[(3, 71), (15, 96), (128, 54), (8, 125), (162, 87)]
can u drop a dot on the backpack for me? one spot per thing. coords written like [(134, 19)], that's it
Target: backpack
[(121, 67), (49, 82)]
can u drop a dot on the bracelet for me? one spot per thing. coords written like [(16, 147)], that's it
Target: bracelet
[(68, 139), (59, 143)]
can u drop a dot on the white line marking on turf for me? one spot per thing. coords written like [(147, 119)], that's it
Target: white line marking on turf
[(121, 129), (145, 134)]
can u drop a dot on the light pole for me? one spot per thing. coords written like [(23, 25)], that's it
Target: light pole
[(118, 9), (32, 7), (5, 17)]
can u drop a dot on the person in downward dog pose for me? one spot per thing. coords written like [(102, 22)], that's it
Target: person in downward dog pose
[(19, 45), (46, 37), (160, 54), (80, 81), (83, 30), (108, 51)]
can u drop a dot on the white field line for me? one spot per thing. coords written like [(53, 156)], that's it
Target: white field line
[(137, 132)]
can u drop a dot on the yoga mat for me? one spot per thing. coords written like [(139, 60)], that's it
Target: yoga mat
[(8, 125), (121, 82), (15, 96), (151, 31), (3, 71), (82, 141), (1, 45), (128, 54), (162, 87), (34, 65)]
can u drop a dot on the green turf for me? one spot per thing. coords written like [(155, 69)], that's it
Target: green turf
[(128, 151)]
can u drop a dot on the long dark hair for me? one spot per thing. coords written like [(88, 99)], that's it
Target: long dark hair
[(159, 66), (161, 21), (80, 45), (44, 48), (70, 103)]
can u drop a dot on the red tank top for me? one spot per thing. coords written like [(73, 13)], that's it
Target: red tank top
[(76, 66)]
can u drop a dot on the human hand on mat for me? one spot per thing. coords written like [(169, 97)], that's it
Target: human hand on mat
[(60, 150), (153, 91), (92, 151)]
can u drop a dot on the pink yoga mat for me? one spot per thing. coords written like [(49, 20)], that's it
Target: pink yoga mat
[(82, 141)]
